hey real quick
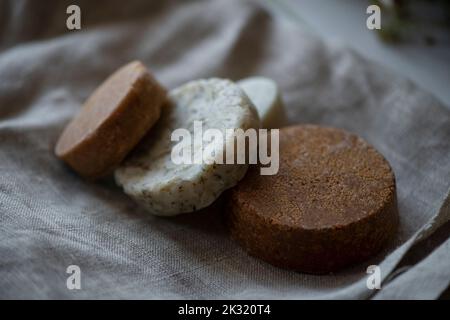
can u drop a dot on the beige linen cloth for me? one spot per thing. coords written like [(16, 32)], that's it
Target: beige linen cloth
[(50, 218)]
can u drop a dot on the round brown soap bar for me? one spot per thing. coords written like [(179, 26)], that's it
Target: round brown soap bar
[(112, 121), (331, 204)]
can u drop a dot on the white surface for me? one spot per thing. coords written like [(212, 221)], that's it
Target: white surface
[(345, 21), (265, 95)]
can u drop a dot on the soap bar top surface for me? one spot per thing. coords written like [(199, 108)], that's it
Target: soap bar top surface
[(111, 121), (265, 95), (332, 203)]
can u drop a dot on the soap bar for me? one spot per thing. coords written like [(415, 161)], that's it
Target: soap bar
[(265, 95), (167, 188), (332, 203), (112, 121)]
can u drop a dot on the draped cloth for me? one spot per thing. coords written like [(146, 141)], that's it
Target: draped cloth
[(50, 218)]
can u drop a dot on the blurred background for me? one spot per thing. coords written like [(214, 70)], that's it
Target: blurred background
[(414, 39)]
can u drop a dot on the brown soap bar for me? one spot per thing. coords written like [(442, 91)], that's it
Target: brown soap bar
[(332, 203), (112, 121)]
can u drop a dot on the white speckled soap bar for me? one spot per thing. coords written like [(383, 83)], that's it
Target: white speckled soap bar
[(165, 188)]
